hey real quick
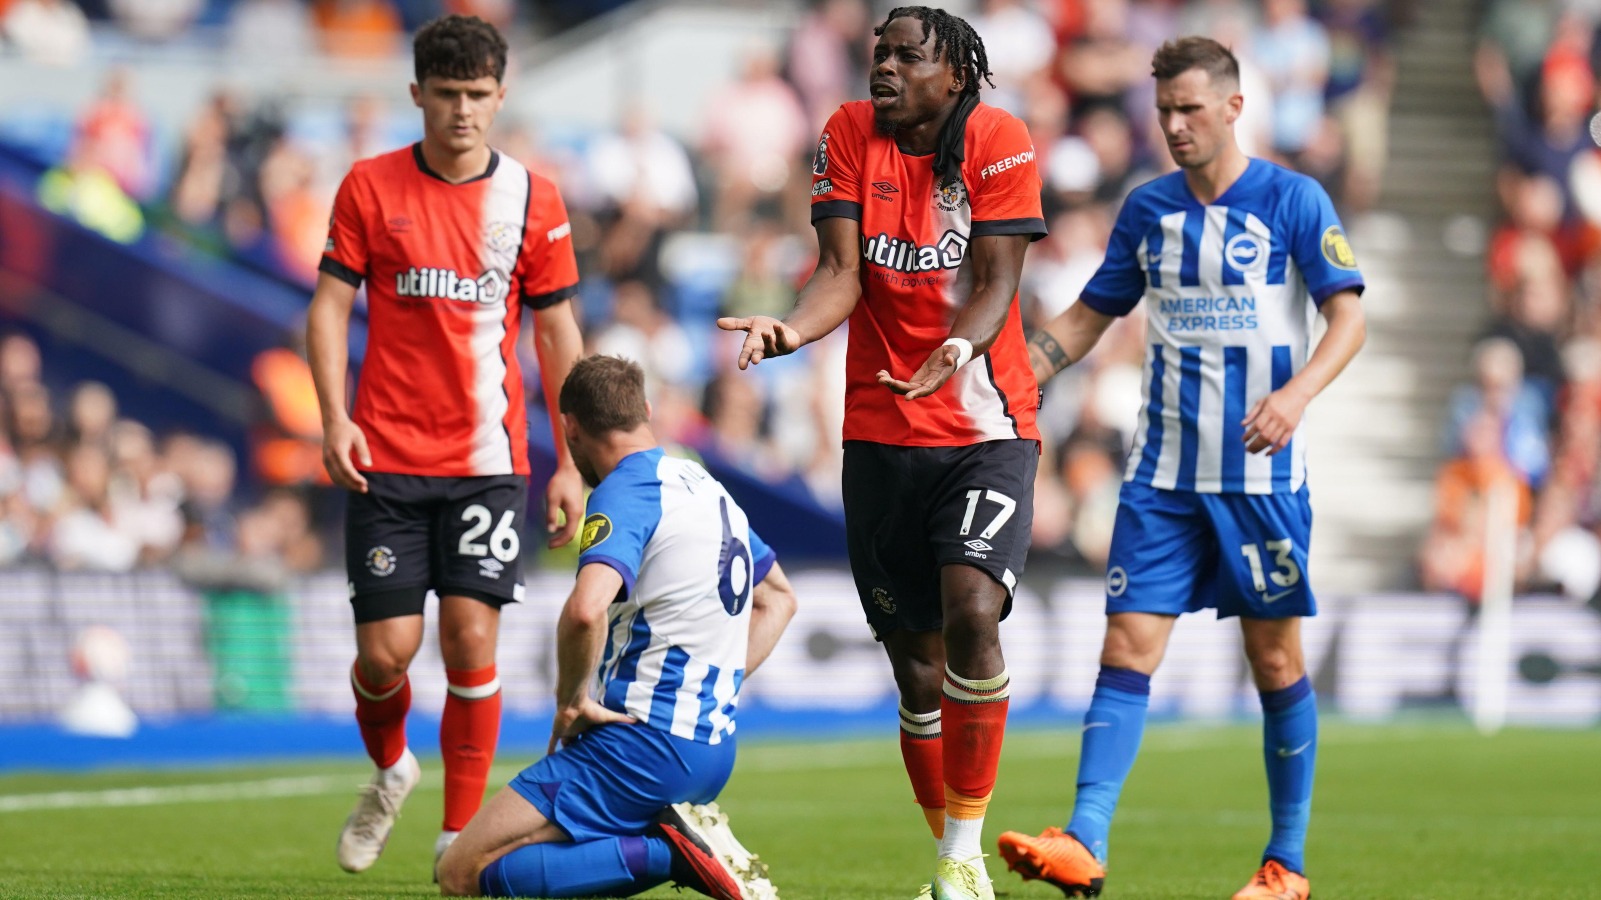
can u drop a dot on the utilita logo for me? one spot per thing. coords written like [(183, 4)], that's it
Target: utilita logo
[(904, 256), (446, 284)]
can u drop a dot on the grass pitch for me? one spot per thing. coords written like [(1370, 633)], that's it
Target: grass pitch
[(1400, 811)]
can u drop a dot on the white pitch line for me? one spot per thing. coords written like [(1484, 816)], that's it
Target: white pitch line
[(182, 793), (796, 758)]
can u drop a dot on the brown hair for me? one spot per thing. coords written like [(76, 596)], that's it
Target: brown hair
[(459, 47), (605, 393), (1174, 58)]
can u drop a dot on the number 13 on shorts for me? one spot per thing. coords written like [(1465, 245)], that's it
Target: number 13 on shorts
[(1286, 572)]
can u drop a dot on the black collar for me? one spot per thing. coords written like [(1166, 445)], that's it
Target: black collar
[(422, 164)]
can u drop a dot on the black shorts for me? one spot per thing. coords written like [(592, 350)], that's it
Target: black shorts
[(409, 533), (911, 510)]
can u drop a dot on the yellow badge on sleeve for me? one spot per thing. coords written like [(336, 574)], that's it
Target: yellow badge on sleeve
[(597, 528), (1337, 250)]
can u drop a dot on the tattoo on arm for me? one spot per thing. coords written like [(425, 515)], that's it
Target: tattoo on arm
[(1046, 348)]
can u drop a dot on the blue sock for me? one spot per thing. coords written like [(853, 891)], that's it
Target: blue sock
[(611, 867), (1289, 745), (1112, 731)]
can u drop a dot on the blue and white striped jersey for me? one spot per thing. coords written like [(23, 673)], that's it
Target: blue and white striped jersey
[(1231, 291), (675, 649)]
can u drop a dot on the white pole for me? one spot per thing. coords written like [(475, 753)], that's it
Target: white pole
[(1495, 607)]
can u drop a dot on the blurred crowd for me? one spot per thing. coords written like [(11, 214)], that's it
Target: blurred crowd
[(83, 488), (1529, 422), (673, 230)]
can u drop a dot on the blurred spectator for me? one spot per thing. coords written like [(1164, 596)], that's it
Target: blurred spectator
[(1019, 44), (207, 469), (1535, 315), (269, 29), (1361, 81), (1513, 38), (155, 20), (359, 29), (91, 414), (1293, 51), (81, 190), (87, 533), (736, 414), (1057, 268), (1453, 553), (755, 135), (145, 494), (20, 363), (1517, 407), (297, 213), (53, 32), (641, 331), (114, 136), (35, 441), (644, 185), (827, 61), (1101, 66), (760, 288), (287, 442)]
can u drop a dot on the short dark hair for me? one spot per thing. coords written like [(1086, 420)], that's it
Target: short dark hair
[(954, 40), (605, 393), (459, 47), (1174, 58)]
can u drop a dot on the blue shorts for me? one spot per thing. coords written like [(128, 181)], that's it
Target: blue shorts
[(1180, 551), (613, 780)]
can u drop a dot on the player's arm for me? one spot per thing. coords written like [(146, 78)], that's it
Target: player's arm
[(1065, 340), (559, 345), (1272, 421), (328, 352), (997, 261), (580, 640), (772, 605), (824, 302)]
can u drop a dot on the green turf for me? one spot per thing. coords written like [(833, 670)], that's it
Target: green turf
[(1424, 811)]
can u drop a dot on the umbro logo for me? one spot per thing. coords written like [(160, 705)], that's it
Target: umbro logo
[(400, 224), (490, 568), (882, 191), (979, 545)]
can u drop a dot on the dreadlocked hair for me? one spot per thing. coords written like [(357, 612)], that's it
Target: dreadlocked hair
[(954, 39), (959, 45)]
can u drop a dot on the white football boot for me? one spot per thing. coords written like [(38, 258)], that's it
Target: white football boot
[(368, 827)]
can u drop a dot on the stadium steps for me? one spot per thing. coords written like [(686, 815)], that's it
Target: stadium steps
[(1376, 433)]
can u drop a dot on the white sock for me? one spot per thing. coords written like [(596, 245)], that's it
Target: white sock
[(963, 839)]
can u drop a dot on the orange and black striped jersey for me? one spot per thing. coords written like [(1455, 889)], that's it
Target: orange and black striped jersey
[(448, 268), (914, 243)]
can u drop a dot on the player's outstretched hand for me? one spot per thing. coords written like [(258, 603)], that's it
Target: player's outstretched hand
[(930, 377), (1272, 421), (765, 336), (564, 497), (571, 721), (338, 441)]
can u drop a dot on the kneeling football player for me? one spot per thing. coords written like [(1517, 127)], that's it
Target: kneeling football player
[(677, 601)]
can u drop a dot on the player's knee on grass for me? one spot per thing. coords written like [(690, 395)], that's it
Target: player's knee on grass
[(383, 665), (458, 872), (1275, 665)]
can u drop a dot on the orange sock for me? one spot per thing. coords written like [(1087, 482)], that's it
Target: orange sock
[(921, 751), (974, 714), (467, 736), (381, 713)]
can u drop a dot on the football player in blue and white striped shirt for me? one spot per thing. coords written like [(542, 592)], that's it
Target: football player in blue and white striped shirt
[(1234, 258), (677, 601)]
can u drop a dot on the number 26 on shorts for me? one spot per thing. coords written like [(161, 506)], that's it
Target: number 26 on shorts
[(504, 542)]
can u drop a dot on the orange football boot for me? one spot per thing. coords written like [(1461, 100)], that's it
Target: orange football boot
[(1274, 882), (1055, 857)]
